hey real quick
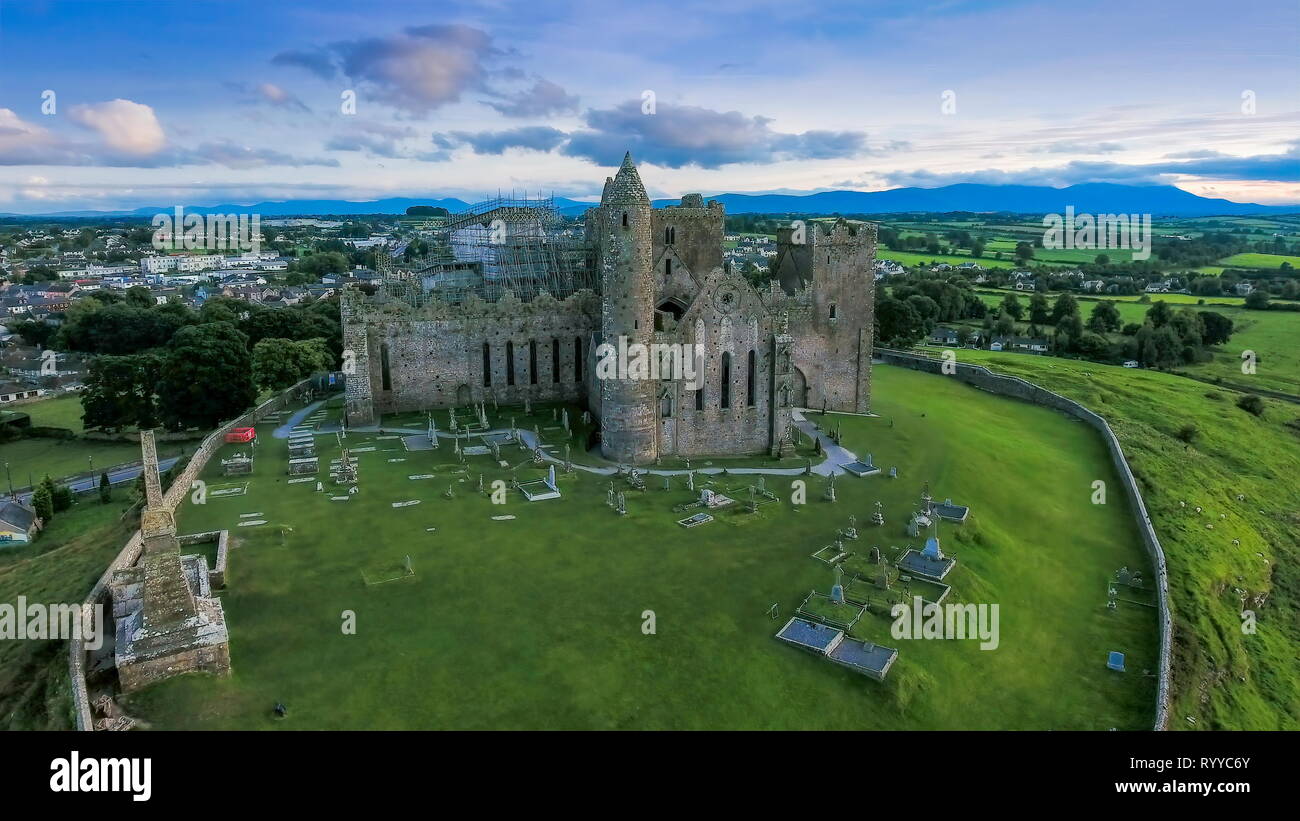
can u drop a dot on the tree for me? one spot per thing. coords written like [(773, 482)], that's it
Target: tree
[(1039, 310), (1065, 306), (977, 248), (1218, 328), (121, 392), (62, 498), (1101, 259), (1024, 251), (1005, 325), (105, 489), (43, 503), (1257, 300), (279, 363), (1011, 307), (1105, 318), (898, 323), (35, 333), (207, 376), (1160, 314)]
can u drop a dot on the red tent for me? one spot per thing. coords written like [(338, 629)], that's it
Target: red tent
[(241, 435)]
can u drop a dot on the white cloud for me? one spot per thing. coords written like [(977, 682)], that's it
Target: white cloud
[(125, 126)]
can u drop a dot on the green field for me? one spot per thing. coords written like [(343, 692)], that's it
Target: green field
[(1223, 678), (59, 412), (1271, 335), (61, 566), (1267, 262), (536, 622), (910, 258)]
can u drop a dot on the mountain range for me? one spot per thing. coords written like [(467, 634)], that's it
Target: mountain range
[(1087, 198)]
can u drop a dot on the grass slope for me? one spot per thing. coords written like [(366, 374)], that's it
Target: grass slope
[(1223, 678)]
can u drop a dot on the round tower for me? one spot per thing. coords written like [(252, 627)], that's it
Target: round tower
[(627, 401)]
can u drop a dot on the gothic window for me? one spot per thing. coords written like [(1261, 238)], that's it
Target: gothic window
[(750, 384), (668, 268), (487, 365), (699, 398), (385, 373), (670, 235), (577, 359), (555, 359), (665, 403), (624, 219), (724, 397), (510, 363), (532, 361), (832, 310)]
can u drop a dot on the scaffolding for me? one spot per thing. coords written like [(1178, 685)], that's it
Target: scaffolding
[(503, 244)]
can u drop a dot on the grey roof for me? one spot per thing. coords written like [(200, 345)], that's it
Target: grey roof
[(17, 515)]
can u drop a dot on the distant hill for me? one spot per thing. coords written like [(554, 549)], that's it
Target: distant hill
[(1087, 198)]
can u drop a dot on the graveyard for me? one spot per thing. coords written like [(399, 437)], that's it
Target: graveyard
[(647, 602)]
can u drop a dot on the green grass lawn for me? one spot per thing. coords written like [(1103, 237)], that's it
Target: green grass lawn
[(536, 622), (59, 567), (1223, 678), (1267, 262), (59, 412)]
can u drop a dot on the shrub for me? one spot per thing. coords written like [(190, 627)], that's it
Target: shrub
[(1188, 433), (1252, 404)]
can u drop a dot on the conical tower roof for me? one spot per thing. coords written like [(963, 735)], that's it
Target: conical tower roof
[(626, 186)]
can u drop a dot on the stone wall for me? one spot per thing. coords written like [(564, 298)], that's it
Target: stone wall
[(135, 545), (1017, 388)]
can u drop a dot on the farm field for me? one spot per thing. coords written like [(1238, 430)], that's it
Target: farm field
[(1271, 335), (537, 621)]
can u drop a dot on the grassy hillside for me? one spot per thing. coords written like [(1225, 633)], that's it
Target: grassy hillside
[(1223, 678), (60, 567)]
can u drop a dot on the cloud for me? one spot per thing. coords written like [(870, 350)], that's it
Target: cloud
[(543, 99), (1071, 147), (680, 135), (234, 155), (128, 139), (374, 139), (318, 62), (420, 69), (535, 138), (129, 127)]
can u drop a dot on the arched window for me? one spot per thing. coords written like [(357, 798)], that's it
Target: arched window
[(487, 365), (510, 363), (724, 395), (670, 235), (577, 359), (668, 268), (699, 398), (832, 310), (385, 373), (624, 219), (752, 379), (532, 361), (555, 359)]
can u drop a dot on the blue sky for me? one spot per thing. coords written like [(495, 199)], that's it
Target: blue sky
[(160, 103)]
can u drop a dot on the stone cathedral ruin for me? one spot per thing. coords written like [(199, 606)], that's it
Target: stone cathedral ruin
[(519, 306)]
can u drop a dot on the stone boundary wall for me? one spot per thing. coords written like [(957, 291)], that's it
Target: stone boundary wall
[(131, 552), (1017, 388)]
